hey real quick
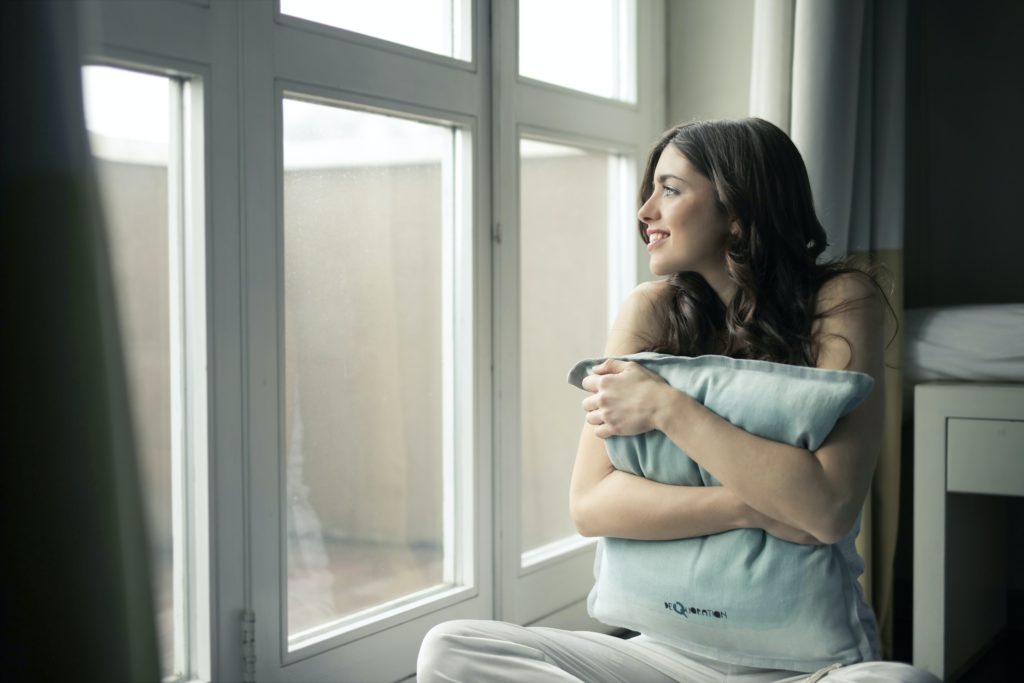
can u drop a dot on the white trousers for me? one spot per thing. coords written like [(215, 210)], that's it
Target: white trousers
[(481, 651)]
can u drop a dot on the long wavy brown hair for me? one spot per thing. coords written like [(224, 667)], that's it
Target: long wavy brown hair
[(758, 176)]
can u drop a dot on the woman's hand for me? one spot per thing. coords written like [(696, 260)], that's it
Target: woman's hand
[(627, 398)]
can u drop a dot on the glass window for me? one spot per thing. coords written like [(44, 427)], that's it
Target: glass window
[(441, 26), (568, 200), (586, 45), (368, 242), (128, 117)]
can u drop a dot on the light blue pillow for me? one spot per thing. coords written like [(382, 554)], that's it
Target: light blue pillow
[(741, 596)]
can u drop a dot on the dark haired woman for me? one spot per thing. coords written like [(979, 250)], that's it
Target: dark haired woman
[(726, 212)]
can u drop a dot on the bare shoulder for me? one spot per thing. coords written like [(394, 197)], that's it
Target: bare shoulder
[(848, 290), (641, 318), (848, 334), (656, 294)]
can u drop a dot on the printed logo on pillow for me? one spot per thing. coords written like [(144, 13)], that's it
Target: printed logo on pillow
[(684, 611)]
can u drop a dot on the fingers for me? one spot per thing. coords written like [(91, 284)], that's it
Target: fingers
[(602, 429), (592, 404), (596, 417), (592, 382), (610, 366)]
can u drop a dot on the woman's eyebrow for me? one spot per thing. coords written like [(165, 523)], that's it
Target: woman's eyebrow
[(663, 176)]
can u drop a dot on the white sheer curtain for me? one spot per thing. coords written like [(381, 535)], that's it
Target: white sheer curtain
[(832, 73), (75, 601)]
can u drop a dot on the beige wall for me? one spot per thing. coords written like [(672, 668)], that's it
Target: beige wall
[(709, 50), (363, 352), (709, 44)]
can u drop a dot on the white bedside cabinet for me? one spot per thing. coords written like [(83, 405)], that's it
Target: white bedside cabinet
[(968, 456)]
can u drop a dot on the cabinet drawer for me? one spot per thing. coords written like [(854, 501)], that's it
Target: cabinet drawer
[(985, 456)]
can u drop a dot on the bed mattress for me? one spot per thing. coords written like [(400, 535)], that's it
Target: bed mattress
[(979, 343)]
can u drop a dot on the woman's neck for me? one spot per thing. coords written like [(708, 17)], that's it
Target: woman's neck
[(723, 285)]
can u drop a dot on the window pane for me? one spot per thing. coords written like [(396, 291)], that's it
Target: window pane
[(366, 234), (127, 116), (564, 217), (586, 45), (440, 26)]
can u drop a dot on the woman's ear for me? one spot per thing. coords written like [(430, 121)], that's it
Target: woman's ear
[(734, 228)]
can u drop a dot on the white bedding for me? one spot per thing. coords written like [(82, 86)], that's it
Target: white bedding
[(979, 343)]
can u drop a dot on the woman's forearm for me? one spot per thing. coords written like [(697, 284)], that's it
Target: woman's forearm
[(790, 484), (623, 505), (604, 501)]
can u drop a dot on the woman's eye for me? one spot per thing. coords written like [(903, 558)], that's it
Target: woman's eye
[(670, 190)]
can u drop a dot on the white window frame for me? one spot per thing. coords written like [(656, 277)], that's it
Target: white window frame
[(238, 59), (175, 39), (188, 325), (290, 55), (460, 493), (553, 589)]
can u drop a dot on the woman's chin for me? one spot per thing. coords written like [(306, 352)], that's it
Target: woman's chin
[(660, 268)]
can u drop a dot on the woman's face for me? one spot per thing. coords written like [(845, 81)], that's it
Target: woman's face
[(685, 228)]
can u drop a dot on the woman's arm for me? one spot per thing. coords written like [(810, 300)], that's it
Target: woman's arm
[(607, 502), (821, 491)]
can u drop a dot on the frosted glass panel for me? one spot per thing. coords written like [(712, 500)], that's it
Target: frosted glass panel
[(564, 218), (440, 26), (364, 269), (586, 45), (128, 122)]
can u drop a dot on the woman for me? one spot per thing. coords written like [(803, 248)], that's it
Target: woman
[(726, 212)]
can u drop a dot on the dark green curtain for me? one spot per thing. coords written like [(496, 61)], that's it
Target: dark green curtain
[(75, 596)]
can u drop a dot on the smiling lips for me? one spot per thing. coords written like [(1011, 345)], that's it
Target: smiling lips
[(655, 237)]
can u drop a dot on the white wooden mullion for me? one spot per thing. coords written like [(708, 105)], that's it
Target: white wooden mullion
[(171, 30), (550, 106), (224, 541), (260, 336), (505, 307), (469, 496), (197, 381), (449, 458), (610, 144), (319, 60), (178, 366)]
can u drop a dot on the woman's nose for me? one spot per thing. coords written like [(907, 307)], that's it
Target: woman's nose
[(647, 211)]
